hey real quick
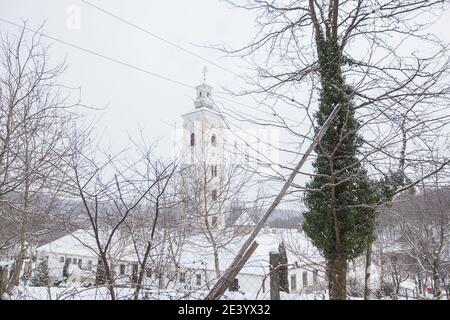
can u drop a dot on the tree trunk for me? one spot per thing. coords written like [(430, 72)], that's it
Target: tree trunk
[(274, 259), (216, 261), (109, 277), (446, 287), (18, 265), (381, 269), (15, 276), (3, 279), (436, 281), (420, 280), (367, 272), (337, 277)]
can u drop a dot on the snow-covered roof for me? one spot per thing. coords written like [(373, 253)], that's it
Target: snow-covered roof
[(83, 243), (4, 264), (75, 243), (202, 110), (197, 252)]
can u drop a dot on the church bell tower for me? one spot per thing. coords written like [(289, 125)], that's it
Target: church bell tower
[(203, 163)]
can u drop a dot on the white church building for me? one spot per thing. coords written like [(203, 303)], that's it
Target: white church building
[(202, 156), (203, 153)]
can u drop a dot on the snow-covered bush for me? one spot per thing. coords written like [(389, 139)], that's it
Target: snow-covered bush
[(41, 276)]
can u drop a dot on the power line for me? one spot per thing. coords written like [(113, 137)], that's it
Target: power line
[(174, 45), (126, 64), (159, 37), (110, 59), (99, 54)]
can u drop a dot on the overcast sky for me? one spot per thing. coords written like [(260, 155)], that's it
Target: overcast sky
[(136, 100)]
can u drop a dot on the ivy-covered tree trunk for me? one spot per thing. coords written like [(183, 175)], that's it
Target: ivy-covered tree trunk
[(390, 92), (335, 222)]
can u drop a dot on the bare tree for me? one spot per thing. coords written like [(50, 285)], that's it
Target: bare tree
[(394, 102), (209, 188), (37, 119), (158, 175), (111, 190), (424, 221)]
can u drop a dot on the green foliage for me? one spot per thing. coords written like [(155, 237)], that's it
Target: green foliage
[(283, 270), (41, 277), (343, 182), (356, 224), (391, 183)]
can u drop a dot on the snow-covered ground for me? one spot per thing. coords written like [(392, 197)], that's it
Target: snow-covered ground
[(92, 293), (101, 293)]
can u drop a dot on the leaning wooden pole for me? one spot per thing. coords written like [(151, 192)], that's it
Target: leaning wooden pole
[(217, 291), (224, 282)]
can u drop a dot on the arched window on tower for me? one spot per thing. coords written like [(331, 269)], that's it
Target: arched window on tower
[(214, 222), (192, 139), (214, 170), (214, 140)]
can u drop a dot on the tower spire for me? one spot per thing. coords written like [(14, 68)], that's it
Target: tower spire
[(204, 71), (204, 93)]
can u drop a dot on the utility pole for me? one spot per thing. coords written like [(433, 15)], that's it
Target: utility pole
[(274, 259)]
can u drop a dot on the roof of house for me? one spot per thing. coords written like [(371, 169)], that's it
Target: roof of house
[(197, 251), (268, 241), (83, 243)]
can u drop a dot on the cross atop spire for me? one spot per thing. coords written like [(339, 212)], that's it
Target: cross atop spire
[(205, 70)]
